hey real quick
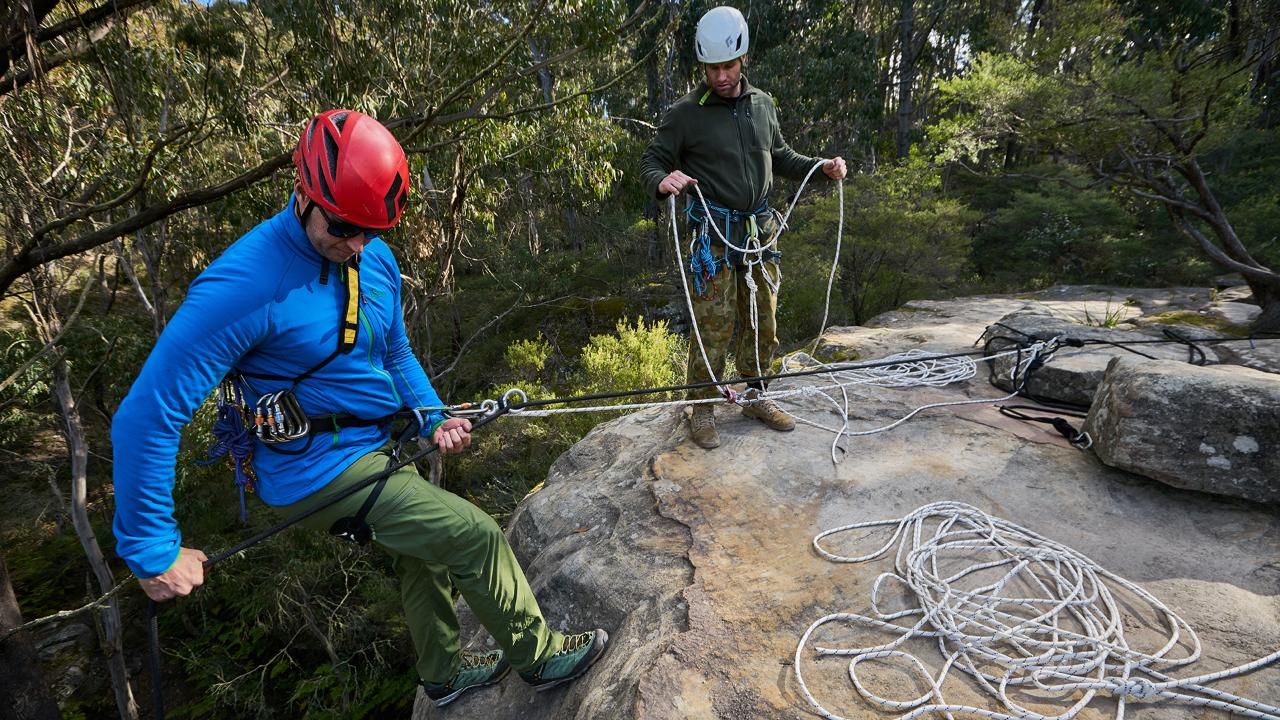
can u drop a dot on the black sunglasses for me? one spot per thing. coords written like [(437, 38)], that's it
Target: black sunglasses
[(344, 229), (339, 228)]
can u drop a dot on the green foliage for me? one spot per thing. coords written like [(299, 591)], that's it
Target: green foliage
[(903, 239), (636, 356)]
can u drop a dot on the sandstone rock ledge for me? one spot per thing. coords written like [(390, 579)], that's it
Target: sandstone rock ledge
[(699, 563)]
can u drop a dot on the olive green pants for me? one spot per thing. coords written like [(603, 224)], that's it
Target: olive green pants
[(730, 300), (437, 541)]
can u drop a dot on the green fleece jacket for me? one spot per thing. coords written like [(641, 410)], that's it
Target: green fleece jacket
[(731, 147)]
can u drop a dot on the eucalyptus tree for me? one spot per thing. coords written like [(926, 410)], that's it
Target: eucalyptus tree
[(1153, 112)]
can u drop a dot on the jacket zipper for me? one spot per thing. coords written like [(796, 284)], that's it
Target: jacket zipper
[(364, 320), (742, 148)]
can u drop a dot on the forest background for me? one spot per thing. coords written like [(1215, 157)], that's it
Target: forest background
[(994, 146)]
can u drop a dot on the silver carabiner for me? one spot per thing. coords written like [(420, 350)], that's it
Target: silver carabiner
[(278, 418)]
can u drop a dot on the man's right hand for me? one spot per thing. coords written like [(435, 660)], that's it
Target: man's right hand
[(186, 574), (675, 183)]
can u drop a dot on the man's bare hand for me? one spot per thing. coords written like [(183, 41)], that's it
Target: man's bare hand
[(835, 168), (184, 575), (675, 183), (453, 436)]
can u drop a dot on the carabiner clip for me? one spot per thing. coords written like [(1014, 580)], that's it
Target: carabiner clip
[(278, 418)]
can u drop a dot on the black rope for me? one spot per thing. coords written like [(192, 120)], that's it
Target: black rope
[(1078, 438)]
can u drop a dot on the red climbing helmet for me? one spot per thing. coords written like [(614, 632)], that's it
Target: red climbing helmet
[(352, 166)]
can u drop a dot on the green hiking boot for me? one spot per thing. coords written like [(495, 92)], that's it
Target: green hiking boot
[(702, 427), (767, 412), (577, 654), (477, 671)]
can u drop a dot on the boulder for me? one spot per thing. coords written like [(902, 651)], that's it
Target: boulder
[(1262, 354), (1073, 373), (700, 564), (1234, 313), (1212, 429)]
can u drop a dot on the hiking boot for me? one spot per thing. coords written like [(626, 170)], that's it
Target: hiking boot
[(576, 654), (768, 412), (702, 427), (477, 671)]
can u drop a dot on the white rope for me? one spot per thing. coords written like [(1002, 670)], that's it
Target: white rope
[(684, 282), (831, 278), (753, 256), (917, 369), (1024, 612)]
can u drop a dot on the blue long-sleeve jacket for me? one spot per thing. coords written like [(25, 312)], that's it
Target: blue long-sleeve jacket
[(261, 308)]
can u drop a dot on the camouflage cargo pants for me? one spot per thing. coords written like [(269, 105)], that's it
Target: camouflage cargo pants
[(728, 300)]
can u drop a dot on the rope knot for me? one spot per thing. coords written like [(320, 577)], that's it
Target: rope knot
[(1137, 689)]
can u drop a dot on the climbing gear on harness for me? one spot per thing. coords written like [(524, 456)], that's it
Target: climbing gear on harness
[(353, 167), (766, 411), (721, 36), (700, 212), (233, 440), (477, 671), (702, 427), (496, 409), (575, 656), (278, 418)]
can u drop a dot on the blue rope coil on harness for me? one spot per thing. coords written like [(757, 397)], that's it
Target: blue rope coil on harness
[(233, 438), (703, 264)]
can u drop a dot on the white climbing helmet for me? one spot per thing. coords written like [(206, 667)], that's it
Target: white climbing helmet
[(721, 36)]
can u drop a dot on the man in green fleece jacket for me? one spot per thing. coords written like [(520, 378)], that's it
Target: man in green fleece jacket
[(724, 137)]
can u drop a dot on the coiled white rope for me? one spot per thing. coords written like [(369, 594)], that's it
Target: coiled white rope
[(1013, 609)]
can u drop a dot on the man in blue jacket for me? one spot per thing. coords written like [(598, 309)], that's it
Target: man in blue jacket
[(302, 317)]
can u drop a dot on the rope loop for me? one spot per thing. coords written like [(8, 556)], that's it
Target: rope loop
[(516, 394)]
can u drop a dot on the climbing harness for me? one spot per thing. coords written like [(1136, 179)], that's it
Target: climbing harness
[(754, 253), (704, 264), (276, 417), (480, 415), (1025, 613)]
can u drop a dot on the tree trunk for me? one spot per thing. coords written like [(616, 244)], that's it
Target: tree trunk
[(1034, 21), (110, 627), (1268, 298), (23, 693), (906, 75)]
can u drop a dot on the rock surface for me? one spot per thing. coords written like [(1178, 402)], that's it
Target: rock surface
[(699, 563), (1264, 356), (1214, 429)]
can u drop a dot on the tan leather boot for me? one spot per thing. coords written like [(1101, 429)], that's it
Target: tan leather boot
[(702, 427), (768, 412)]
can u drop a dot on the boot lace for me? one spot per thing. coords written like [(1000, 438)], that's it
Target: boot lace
[(574, 642), (470, 661)]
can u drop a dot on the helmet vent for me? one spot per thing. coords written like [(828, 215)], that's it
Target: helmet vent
[(739, 45), (339, 120), (331, 149), (324, 190), (393, 198)]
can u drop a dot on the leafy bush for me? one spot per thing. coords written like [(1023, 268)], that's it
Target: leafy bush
[(903, 239)]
